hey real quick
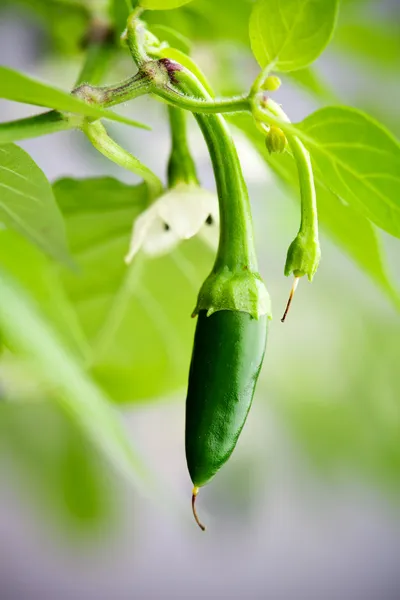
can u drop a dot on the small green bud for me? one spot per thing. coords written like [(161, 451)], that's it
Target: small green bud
[(303, 257), (272, 83), (276, 140)]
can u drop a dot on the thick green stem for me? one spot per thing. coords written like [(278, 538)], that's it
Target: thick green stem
[(181, 167), (236, 245), (98, 136), (111, 95)]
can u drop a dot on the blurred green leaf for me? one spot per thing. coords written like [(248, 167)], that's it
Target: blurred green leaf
[(375, 42), (162, 4), (21, 129), (27, 203), (35, 272), (21, 88), (54, 460), (28, 335), (290, 35), (359, 160), (136, 318), (66, 21), (207, 20), (348, 229), (172, 37), (354, 425)]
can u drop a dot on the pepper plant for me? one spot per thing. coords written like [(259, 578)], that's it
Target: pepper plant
[(55, 318)]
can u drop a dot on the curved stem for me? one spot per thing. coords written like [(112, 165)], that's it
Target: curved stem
[(309, 217), (98, 136), (181, 167), (236, 246), (201, 105)]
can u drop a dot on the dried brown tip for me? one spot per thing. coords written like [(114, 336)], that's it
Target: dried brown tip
[(196, 518), (289, 302)]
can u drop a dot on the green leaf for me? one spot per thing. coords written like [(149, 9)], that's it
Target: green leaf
[(162, 4), (21, 88), (21, 129), (172, 37), (35, 272), (359, 160), (287, 35), (27, 203), (354, 234), (30, 336), (137, 318)]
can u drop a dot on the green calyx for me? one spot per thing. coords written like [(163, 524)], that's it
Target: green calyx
[(238, 291), (303, 256)]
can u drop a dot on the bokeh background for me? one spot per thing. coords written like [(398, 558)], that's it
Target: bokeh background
[(308, 505)]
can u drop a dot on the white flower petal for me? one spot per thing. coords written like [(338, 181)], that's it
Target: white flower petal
[(185, 209), (177, 215), (160, 239), (209, 233)]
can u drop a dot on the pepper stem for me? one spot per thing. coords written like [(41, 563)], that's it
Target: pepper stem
[(289, 302), (196, 518)]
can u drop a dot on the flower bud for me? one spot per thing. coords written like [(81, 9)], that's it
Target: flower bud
[(271, 84), (276, 140)]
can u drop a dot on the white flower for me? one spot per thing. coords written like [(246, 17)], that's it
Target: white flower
[(179, 214)]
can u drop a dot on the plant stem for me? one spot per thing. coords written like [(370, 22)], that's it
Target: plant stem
[(236, 245), (111, 95), (181, 167), (200, 105), (309, 218), (98, 136)]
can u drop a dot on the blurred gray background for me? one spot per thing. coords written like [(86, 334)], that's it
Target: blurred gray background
[(298, 512)]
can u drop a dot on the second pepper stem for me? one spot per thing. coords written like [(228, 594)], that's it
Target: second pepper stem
[(234, 283), (181, 167)]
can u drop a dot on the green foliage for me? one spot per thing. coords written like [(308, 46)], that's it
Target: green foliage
[(133, 327), (20, 88), (358, 160), (162, 4), (28, 334), (55, 462), (352, 232), (103, 332), (287, 36), (27, 203)]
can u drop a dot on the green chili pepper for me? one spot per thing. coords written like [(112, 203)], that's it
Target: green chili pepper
[(227, 356), (232, 309)]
